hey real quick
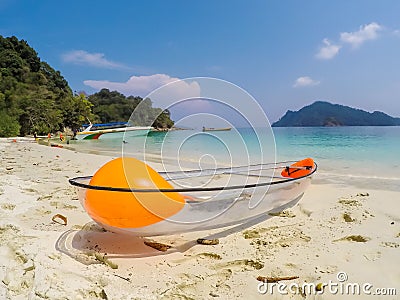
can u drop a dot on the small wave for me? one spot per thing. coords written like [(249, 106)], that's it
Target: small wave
[(358, 176)]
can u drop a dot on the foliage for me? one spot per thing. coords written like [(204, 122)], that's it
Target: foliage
[(8, 125), (38, 113), (33, 96), (322, 113), (36, 98), (163, 120), (115, 107), (77, 111)]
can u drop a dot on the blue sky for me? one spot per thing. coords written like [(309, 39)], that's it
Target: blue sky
[(284, 53)]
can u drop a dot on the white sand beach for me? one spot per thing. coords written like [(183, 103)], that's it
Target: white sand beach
[(333, 229)]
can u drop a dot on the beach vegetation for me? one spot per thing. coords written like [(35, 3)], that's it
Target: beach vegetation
[(349, 202), (354, 238), (210, 255), (103, 259), (35, 98), (251, 234), (9, 126), (112, 106), (282, 214)]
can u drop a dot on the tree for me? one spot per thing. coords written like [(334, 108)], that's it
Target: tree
[(76, 112), (39, 113), (115, 107), (163, 120), (33, 94), (37, 98), (8, 125)]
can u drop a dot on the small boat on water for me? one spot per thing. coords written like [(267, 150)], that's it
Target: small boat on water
[(216, 129), (94, 131)]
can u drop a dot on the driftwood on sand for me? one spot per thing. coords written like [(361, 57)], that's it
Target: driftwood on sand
[(208, 242), (275, 279), (157, 246)]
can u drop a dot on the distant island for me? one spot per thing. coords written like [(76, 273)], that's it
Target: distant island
[(322, 113)]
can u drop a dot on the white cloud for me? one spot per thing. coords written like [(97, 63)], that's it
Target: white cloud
[(366, 32), (82, 57), (328, 51), (143, 85), (305, 81)]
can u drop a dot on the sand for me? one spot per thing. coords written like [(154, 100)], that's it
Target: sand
[(334, 228)]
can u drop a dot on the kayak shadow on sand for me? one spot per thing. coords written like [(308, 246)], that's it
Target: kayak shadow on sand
[(85, 245)]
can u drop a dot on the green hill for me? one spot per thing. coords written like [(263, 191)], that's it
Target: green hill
[(36, 98), (323, 113), (33, 96), (113, 107)]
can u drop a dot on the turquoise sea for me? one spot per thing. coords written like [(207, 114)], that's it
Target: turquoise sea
[(368, 157)]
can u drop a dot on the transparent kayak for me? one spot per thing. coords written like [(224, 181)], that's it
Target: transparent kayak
[(128, 196)]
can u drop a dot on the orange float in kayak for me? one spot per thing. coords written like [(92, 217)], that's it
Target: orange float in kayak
[(128, 196), (132, 209), (299, 169)]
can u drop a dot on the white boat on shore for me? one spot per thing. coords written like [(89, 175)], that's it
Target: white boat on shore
[(94, 131)]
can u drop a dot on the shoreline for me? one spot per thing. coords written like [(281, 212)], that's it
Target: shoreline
[(314, 240), (361, 175)]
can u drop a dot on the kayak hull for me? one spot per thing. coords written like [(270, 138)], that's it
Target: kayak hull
[(214, 207)]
